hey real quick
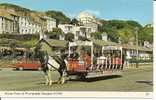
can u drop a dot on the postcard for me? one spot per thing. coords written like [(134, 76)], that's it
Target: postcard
[(76, 48)]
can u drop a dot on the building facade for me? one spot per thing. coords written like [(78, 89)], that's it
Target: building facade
[(15, 23), (12, 23), (48, 24), (6, 25), (104, 36), (27, 26), (88, 20), (66, 28), (78, 31)]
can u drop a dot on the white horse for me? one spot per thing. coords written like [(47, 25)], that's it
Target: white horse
[(54, 65), (48, 63)]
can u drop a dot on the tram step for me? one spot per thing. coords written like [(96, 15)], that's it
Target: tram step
[(100, 74)]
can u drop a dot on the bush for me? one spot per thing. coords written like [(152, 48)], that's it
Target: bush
[(96, 35), (82, 38), (134, 60), (55, 34), (69, 36), (20, 37)]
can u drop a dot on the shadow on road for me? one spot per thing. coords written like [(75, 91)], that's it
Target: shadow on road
[(43, 83), (145, 82), (25, 70), (97, 78)]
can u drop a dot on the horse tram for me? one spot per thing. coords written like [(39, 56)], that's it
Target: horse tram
[(80, 60), (84, 64)]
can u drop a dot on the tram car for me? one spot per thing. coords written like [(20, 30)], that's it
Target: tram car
[(81, 58)]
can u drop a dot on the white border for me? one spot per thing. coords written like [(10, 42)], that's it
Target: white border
[(154, 49), (93, 94), (79, 94)]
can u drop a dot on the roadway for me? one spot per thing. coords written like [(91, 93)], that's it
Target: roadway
[(132, 80)]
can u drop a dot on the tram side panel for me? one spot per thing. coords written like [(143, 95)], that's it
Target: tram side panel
[(113, 64)]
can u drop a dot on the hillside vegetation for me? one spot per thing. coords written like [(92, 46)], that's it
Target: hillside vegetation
[(123, 31), (126, 31), (34, 15)]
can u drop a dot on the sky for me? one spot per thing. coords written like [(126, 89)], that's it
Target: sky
[(138, 10)]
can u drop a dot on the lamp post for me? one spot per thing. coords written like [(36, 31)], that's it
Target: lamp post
[(137, 52)]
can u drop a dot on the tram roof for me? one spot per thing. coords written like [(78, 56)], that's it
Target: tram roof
[(104, 43), (56, 43), (125, 46), (81, 43), (134, 47)]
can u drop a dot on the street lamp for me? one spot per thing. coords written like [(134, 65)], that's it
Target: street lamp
[(137, 52)]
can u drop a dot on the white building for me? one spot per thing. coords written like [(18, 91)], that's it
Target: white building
[(76, 30), (15, 18), (104, 36), (49, 23), (88, 20), (6, 24), (82, 31), (66, 28), (27, 26)]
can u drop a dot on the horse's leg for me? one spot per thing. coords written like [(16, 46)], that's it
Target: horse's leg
[(46, 76), (62, 77), (49, 77), (59, 80), (46, 73)]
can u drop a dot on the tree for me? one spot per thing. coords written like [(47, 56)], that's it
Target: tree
[(120, 29), (111, 31), (145, 34), (96, 35), (57, 30), (55, 34), (74, 21), (126, 35), (59, 16), (82, 38), (69, 36), (134, 23)]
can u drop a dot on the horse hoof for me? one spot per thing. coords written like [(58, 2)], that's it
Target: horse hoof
[(63, 81), (58, 82), (46, 83), (50, 83)]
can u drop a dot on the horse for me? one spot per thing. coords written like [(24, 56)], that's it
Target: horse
[(48, 63)]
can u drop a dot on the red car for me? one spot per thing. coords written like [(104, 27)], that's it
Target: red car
[(27, 64)]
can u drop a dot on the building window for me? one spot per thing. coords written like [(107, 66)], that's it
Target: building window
[(22, 30), (2, 25)]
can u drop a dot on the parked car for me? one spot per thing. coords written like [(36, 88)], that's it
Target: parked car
[(27, 64)]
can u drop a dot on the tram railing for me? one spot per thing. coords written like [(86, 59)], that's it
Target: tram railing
[(101, 65)]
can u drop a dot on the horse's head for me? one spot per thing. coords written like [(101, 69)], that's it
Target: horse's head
[(37, 50)]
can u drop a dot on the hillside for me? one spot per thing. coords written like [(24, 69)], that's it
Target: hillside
[(59, 16), (125, 31), (34, 15)]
